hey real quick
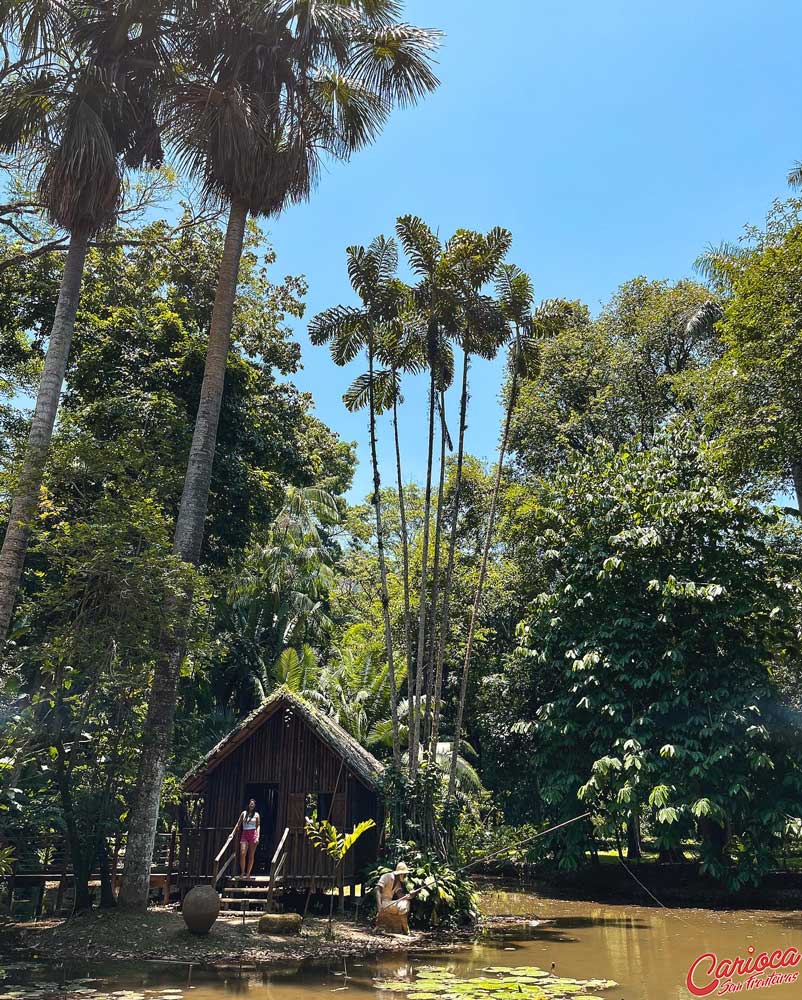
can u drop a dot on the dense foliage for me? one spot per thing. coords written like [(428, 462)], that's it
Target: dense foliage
[(644, 676), (605, 622)]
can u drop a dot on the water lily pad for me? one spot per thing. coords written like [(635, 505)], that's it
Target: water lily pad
[(507, 983)]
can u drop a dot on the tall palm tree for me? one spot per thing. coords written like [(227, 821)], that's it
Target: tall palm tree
[(78, 107), (516, 296), (270, 88), (402, 352), (430, 655), (435, 302), (349, 330), (450, 298), (473, 259)]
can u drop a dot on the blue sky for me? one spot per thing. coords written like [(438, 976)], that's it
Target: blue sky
[(612, 138)]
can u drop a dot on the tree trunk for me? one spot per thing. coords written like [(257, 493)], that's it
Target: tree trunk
[(715, 837), (414, 741), (796, 473), (107, 900), (80, 862), (402, 511), (157, 733), (385, 599), (633, 839), (452, 546), (431, 657), (25, 502), (452, 778), (195, 498)]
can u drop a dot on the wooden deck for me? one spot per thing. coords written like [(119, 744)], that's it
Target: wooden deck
[(186, 858), (51, 868)]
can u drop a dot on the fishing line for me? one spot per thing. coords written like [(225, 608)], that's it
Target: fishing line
[(646, 889), (521, 843), (431, 880), (559, 826)]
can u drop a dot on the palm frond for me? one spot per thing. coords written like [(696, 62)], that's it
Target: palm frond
[(703, 319), (344, 328), (515, 291), (348, 115), (395, 61), (720, 264), (420, 244), (384, 252), (386, 386)]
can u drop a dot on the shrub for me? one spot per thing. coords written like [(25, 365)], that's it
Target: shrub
[(446, 898)]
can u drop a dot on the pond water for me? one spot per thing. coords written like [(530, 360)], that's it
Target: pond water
[(647, 951)]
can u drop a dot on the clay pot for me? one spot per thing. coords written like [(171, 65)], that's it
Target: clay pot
[(200, 909)]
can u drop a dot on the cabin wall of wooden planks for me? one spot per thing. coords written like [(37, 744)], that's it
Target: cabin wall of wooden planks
[(284, 751)]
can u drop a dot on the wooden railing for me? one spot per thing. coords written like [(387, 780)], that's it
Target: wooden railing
[(199, 848), (210, 853), (220, 867), (279, 858)]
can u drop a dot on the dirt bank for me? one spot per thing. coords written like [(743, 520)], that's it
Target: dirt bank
[(162, 934), (642, 883)]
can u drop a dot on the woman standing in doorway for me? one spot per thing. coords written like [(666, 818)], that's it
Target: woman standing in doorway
[(249, 822)]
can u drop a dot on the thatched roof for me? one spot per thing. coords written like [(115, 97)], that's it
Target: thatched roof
[(363, 764)]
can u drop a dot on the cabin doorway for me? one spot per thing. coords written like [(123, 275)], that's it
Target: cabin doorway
[(266, 797)]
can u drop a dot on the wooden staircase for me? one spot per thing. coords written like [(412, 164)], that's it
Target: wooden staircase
[(244, 895), (247, 895)]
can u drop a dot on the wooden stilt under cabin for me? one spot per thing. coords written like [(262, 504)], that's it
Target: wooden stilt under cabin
[(293, 760)]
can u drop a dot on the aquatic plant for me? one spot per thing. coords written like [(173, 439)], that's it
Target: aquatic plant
[(498, 983)]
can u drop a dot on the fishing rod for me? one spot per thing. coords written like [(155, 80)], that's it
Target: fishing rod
[(430, 881), (527, 840)]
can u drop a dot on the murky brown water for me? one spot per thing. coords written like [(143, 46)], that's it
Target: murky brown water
[(646, 950)]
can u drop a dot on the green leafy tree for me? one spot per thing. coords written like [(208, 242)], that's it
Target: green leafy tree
[(278, 601), (450, 299), (79, 106), (749, 396), (644, 682), (85, 650), (615, 377), (516, 298)]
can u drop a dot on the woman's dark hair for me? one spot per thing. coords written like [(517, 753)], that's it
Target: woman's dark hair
[(248, 810)]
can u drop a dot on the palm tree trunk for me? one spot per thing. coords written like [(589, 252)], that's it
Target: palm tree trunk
[(385, 599), (431, 658), (402, 512), (796, 474), (414, 735), (195, 498), (157, 734), (452, 778), (452, 546), (26, 496)]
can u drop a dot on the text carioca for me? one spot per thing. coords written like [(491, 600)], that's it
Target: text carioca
[(709, 974)]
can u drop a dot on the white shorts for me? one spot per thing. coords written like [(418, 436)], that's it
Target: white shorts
[(401, 905)]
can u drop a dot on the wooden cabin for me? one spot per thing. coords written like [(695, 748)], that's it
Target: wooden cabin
[(293, 760)]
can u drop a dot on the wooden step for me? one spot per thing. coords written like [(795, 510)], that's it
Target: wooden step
[(237, 905), (245, 890), (246, 900)]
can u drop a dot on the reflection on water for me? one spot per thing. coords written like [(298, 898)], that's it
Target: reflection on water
[(646, 950)]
